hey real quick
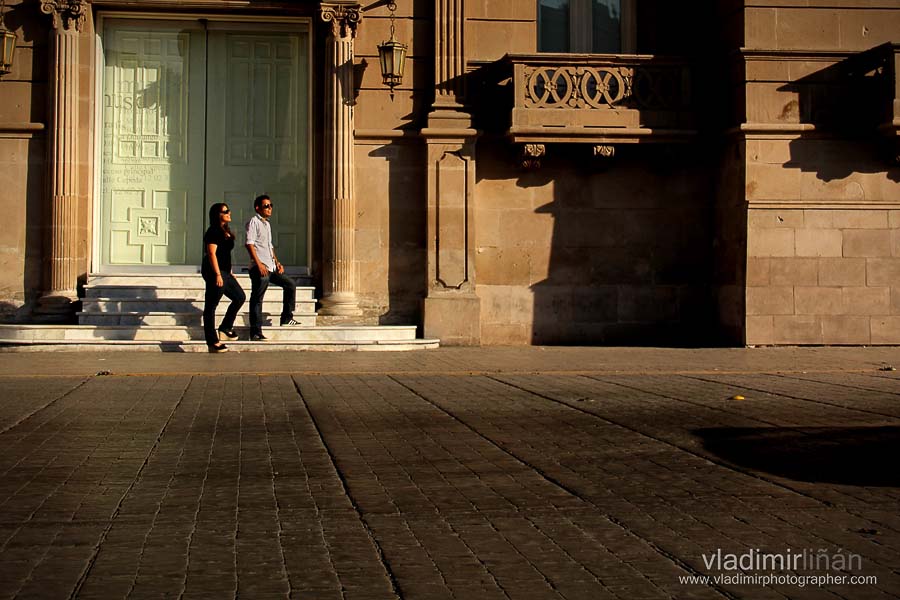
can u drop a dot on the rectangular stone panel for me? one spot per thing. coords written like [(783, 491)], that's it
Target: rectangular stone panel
[(770, 300), (818, 301)]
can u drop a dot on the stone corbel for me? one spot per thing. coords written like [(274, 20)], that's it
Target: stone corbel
[(66, 14), (343, 17), (531, 156), (604, 151)]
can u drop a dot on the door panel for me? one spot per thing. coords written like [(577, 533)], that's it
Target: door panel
[(257, 131), (153, 103), (192, 117)]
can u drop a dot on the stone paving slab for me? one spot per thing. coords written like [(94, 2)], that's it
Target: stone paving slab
[(516, 359), (466, 475)]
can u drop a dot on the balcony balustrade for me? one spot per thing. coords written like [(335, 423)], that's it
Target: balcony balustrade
[(598, 99)]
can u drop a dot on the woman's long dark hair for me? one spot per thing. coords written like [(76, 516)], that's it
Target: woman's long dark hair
[(214, 211)]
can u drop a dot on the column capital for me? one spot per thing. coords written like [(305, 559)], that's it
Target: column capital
[(344, 17), (66, 14)]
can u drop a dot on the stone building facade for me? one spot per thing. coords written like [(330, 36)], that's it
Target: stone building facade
[(548, 172)]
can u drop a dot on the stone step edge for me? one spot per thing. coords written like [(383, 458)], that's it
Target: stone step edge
[(101, 286), (238, 346), (166, 298), (223, 306), (415, 341), (197, 327)]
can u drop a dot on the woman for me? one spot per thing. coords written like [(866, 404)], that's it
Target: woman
[(218, 242)]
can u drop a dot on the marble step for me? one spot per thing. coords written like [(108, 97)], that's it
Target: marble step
[(11, 334), (172, 280), (271, 305), (197, 290), (200, 346), (193, 319)]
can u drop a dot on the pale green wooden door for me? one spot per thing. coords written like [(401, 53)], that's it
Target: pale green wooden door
[(257, 131), (153, 147), (194, 116)]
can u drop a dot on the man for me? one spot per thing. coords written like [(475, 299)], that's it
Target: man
[(265, 269)]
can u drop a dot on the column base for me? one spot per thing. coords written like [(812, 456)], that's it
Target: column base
[(57, 307), (455, 319), (343, 304)]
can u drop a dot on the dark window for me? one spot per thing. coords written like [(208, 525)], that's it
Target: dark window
[(585, 26)]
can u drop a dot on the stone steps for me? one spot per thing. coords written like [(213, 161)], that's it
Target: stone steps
[(193, 318), (172, 337), (183, 305), (164, 312), (149, 292), (179, 332)]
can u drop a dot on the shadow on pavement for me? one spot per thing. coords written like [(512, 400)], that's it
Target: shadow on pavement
[(840, 455)]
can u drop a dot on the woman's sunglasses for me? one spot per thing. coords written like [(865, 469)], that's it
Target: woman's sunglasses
[(225, 212)]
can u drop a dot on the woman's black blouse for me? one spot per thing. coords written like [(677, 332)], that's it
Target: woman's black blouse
[(224, 246)]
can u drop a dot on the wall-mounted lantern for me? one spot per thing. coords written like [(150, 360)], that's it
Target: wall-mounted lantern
[(392, 56), (7, 44)]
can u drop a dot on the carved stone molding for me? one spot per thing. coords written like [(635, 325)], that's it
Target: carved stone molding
[(344, 18), (66, 14), (532, 154)]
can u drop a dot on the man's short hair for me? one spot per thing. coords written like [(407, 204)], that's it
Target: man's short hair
[(259, 200)]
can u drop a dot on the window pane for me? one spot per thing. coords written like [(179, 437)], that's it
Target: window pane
[(607, 26), (553, 26)]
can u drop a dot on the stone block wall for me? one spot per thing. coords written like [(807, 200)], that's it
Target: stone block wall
[(823, 276), (22, 160), (390, 237), (821, 200), (573, 254)]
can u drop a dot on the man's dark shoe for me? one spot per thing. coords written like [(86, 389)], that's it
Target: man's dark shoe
[(258, 337), (289, 322), (229, 333)]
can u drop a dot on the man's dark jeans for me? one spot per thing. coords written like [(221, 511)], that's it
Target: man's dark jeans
[(230, 288), (258, 291)]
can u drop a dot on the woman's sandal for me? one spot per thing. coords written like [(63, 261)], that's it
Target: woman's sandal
[(218, 349)]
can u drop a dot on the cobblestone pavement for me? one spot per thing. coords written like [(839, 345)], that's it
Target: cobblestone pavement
[(468, 474)]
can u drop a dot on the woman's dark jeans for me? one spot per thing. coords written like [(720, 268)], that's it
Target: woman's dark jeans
[(233, 290)]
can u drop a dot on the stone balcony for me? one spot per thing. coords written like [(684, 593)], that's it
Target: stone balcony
[(596, 99)]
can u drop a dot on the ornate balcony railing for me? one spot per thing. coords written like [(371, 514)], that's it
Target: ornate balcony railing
[(599, 99)]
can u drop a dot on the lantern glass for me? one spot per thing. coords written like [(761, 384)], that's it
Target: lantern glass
[(392, 56), (8, 49)]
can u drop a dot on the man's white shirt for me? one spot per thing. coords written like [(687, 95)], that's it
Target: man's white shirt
[(259, 233)]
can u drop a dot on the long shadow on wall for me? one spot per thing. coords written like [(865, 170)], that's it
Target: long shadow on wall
[(406, 217), (628, 257), (852, 103)]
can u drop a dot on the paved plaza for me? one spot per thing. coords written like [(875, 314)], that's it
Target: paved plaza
[(459, 473)]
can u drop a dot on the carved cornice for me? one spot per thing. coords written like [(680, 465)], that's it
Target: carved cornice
[(66, 14), (343, 17)]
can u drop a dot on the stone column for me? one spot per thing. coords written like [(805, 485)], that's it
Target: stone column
[(339, 276), (68, 18), (451, 311)]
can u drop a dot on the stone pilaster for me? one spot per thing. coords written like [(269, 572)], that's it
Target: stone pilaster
[(339, 276), (68, 18), (451, 310)]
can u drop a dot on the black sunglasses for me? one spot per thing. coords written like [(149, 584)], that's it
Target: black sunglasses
[(267, 206), (225, 212)]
